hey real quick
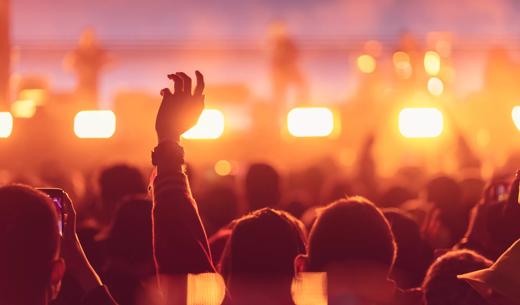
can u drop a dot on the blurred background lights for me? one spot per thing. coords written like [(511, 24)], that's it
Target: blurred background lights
[(516, 116), (6, 124), (366, 63), (205, 288), (432, 63), (23, 109), (435, 86), (420, 122), (310, 288), (209, 126), (95, 124), (223, 168), (402, 64), (310, 122)]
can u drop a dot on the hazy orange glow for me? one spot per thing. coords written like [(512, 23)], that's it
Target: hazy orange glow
[(95, 124), (310, 122), (222, 168), (435, 86), (23, 108), (310, 288), (420, 122), (35, 95), (366, 63), (516, 116), (402, 64), (6, 124), (205, 288), (432, 63), (209, 126)]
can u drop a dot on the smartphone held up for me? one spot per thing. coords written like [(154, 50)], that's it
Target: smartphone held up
[(58, 196)]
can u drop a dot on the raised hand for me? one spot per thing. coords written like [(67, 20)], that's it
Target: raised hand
[(76, 261), (179, 111)]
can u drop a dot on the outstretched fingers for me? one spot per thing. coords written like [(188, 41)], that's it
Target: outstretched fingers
[(186, 82), (178, 83), (200, 84)]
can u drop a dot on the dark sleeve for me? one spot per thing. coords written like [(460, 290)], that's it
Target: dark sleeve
[(180, 241), (98, 296)]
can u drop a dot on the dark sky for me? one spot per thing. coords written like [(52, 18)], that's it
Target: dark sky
[(248, 19)]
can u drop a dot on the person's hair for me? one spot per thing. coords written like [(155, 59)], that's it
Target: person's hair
[(263, 244), (348, 231), (29, 242), (445, 193), (441, 285), (262, 184), (118, 181), (130, 236), (414, 255)]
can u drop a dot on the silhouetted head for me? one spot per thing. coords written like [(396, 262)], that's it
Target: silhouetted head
[(118, 181), (130, 237), (352, 241), (260, 253), (262, 186), (444, 192), (349, 231), (414, 256), (218, 207), (31, 270), (395, 197), (441, 285)]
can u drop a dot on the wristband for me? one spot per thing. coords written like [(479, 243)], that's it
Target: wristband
[(168, 150)]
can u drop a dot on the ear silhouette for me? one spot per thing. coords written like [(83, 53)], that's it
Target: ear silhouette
[(57, 272), (300, 263)]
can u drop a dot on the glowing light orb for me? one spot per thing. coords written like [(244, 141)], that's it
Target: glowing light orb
[(432, 63), (205, 288), (420, 122), (435, 86), (6, 124), (95, 124), (222, 168), (310, 122), (23, 109), (366, 63), (209, 126), (516, 116)]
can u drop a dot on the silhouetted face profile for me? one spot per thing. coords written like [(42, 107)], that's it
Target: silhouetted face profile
[(31, 269)]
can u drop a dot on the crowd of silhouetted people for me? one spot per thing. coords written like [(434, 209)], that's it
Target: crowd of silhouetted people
[(316, 237)]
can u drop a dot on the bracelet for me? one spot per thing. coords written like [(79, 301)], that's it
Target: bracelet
[(168, 150)]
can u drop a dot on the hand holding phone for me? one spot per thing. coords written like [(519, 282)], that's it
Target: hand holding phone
[(58, 197)]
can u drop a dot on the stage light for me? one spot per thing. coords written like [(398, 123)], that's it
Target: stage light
[(432, 63), (516, 116), (366, 63), (95, 124), (222, 168), (205, 288), (38, 96), (310, 122), (402, 64), (435, 86), (209, 126), (23, 109), (420, 122), (309, 288), (6, 124)]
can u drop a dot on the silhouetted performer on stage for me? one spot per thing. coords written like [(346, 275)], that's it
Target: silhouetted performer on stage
[(87, 62), (284, 67)]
